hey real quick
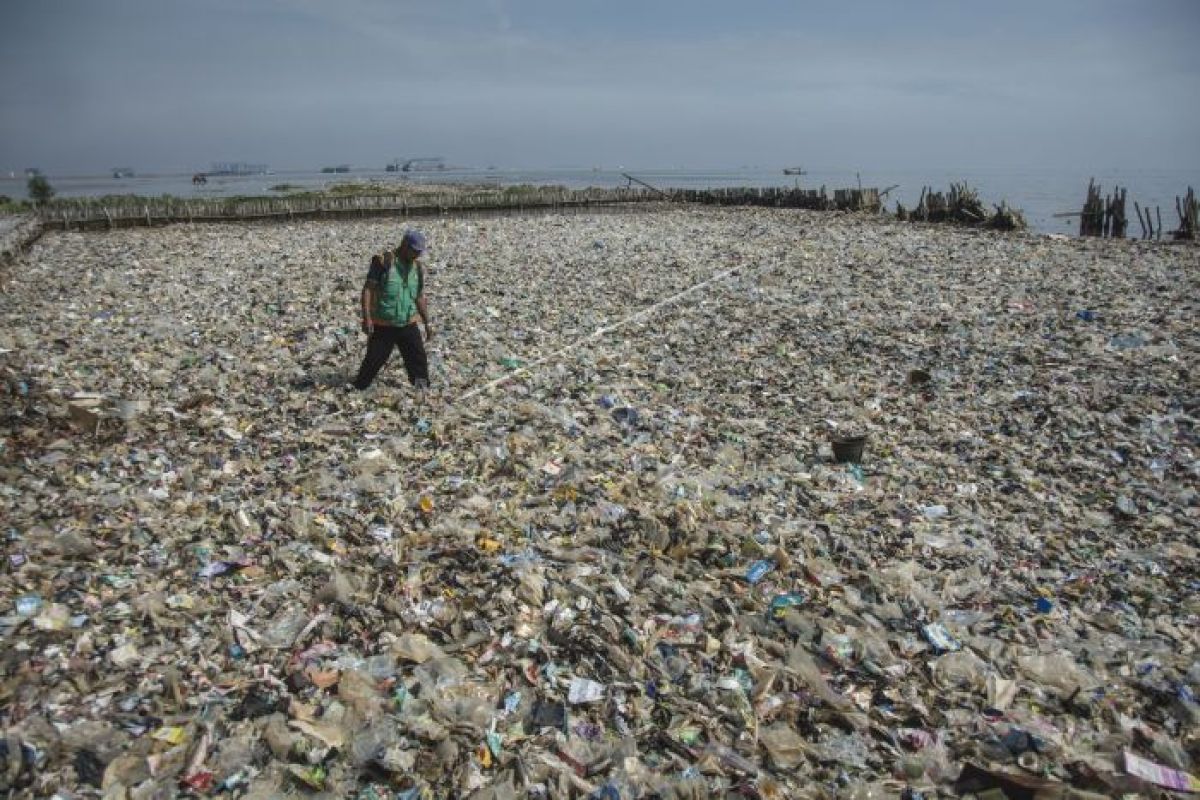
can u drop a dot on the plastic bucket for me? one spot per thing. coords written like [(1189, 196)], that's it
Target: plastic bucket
[(918, 377), (849, 450)]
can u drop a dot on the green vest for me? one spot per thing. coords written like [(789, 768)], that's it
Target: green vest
[(397, 299)]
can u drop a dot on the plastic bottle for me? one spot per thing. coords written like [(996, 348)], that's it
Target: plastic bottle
[(29, 604)]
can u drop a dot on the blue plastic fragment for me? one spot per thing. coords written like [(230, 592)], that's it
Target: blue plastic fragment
[(758, 570)]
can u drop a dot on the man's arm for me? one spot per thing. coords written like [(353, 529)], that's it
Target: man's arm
[(423, 310), (422, 307)]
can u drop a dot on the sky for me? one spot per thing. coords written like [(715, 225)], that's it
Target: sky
[(162, 85)]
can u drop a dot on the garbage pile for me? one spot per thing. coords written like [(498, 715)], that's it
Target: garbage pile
[(16, 232), (614, 556)]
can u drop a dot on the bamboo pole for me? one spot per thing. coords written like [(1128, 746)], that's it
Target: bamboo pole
[(1189, 220), (1120, 221)]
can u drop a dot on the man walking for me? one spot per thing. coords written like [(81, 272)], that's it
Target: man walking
[(393, 298)]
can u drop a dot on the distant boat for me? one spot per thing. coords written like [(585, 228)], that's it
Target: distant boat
[(435, 164), (794, 171), (122, 172), (340, 168), (424, 165), (237, 169)]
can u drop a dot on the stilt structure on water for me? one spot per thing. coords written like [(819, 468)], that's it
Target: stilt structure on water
[(1103, 216), (1188, 210), (960, 205), (1147, 222)]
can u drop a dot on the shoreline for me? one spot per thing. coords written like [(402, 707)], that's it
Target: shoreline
[(960, 205), (623, 505), (1039, 193)]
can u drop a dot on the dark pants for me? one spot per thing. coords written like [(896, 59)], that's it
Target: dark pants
[(379, 349)]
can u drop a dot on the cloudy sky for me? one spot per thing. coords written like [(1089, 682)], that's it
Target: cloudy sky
[(86, 85)]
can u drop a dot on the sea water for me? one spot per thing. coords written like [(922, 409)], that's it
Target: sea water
[(1038, 193)]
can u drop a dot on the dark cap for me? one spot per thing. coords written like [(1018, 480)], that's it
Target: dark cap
[(414, 239)]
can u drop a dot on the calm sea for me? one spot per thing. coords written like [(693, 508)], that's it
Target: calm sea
[(1038, 193)]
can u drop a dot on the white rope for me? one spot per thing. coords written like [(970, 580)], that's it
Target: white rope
[(642, 314)]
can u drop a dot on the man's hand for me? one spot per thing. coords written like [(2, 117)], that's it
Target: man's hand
[(368, 327), (428, 332)]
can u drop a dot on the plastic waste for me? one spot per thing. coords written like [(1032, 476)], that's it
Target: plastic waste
[(1167, 778), (758, 571), (1127, 341), (29, 605), (583, 690), (1060, 671), (784, 746), (611, 554)]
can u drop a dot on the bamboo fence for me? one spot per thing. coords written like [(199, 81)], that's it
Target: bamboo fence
[(813, 199), (1101, 215), (90, 214), (86, 213)]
